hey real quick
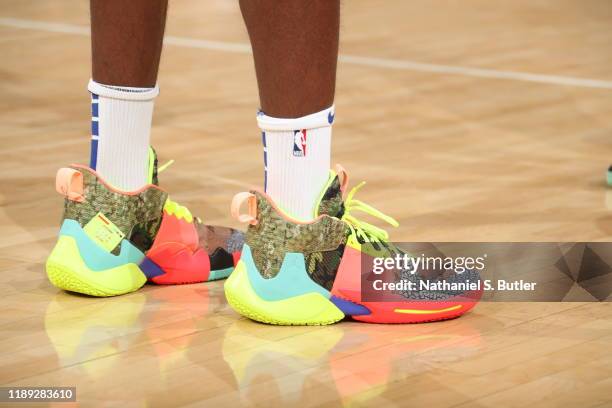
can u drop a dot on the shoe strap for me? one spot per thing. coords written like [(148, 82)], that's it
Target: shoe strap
[(69, 183), (251, 216), (343, 177)]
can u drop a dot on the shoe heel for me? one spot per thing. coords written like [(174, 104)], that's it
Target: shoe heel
[(78, 264), (290, 298)]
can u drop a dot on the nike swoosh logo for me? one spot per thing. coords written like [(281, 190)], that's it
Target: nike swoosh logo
[(330, 117)]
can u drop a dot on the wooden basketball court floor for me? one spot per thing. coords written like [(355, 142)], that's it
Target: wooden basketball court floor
[(472, 120)]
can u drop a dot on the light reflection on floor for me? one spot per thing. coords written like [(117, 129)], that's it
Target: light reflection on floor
[(187, 335)]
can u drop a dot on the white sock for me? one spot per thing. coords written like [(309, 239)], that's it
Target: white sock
[(120, 132), (297, 159)]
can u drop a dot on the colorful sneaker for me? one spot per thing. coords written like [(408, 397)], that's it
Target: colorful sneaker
[(105, 234), (308, 273)]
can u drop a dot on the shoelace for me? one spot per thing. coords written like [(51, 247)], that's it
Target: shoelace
[(172, 207), (361, 229)]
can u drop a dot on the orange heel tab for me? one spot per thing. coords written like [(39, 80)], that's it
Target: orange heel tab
[(238, 200), (343, 176), (69, 183)]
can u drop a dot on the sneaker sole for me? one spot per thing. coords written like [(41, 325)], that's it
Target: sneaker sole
[(306, 309), (414, 313), (320, 307), (67, 270), (214, 275)]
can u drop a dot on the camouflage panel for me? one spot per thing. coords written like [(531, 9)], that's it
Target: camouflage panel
[(137, 216), (331, 202), (323, 266), (273, 236), (154, 176)]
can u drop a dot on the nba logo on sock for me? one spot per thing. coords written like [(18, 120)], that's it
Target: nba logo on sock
[(299, 143)]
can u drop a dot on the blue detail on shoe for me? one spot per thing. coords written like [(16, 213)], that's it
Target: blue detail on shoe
[(220, 273), (330, 117), (292, 279), (349, 308), (150, 268), (95, 257)]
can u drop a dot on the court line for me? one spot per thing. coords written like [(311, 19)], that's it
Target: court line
[(386, 63)]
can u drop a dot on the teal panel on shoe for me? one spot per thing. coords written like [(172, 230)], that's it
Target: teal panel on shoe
[(220, 273), (292, 279), (95, 257), (610, 177)]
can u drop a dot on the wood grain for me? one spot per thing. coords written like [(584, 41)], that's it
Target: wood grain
[(452, 157)]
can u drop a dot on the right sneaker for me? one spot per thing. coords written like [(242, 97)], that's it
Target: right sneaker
[(309, 273), (112, 242)]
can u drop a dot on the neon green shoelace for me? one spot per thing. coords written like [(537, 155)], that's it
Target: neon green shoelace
[(361, 229), (172, 207)]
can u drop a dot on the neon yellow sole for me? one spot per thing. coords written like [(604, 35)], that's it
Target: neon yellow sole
[(67, 270), (307, 309)]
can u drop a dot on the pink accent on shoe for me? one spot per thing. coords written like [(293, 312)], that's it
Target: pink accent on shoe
[(176, 250), (275, 207), (180, 263), (343, 176), (115, 189), (69, 183), (237, 201), (173, 229), (395, 309), (236, 257), (347, 284)]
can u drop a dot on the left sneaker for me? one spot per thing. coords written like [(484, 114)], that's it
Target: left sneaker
[(309, 273), (111, 242)]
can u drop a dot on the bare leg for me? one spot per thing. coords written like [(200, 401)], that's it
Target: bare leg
[(126, 41), (295, 46)]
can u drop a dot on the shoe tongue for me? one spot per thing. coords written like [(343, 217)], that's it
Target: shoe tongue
[(152, 170), (331, 202)]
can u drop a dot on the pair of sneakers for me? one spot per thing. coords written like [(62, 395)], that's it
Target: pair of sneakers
[(282, 271)]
